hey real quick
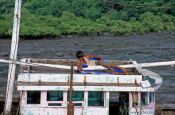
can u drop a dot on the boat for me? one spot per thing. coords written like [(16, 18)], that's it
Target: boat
[(46, 91)]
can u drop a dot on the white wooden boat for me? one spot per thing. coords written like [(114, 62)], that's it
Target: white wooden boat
[(44, 91)]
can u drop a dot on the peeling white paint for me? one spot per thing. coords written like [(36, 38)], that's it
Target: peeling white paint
[(35, 77)]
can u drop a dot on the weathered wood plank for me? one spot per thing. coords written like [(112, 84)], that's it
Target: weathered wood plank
[(75, 84), (90, 78), (13, 56), (86, 88)]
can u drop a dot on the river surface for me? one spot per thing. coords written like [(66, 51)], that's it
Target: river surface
[(142, 48)]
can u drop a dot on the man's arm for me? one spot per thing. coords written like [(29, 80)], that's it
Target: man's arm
[(79, 66), (94, 56)]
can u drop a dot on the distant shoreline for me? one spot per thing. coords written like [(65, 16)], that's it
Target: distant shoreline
[(71, 36)]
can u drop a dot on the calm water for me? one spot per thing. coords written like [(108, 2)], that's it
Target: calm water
[(142, 48)]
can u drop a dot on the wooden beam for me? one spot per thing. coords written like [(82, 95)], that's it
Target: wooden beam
[(74, 84), (13, 56), (152, 64), (39, 77), (86, 88)]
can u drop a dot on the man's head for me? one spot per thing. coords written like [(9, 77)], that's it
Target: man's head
[(79, 54)]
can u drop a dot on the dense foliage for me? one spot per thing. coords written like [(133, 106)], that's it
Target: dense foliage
[(89, 17)]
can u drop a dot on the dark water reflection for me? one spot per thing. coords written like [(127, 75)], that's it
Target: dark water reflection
[(142, 48)]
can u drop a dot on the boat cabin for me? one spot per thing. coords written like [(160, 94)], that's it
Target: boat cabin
[(48, 91)]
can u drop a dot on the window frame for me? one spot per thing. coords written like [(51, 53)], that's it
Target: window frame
[(54, 102), (24, 100), (78, 102), (103, 96), (33, 103)]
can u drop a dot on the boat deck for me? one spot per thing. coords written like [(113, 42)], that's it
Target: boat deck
[(67, 62)]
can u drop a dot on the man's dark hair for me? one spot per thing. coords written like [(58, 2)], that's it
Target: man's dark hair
[(79, 54)]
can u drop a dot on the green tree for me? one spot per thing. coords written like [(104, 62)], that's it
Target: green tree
[(151, 22)]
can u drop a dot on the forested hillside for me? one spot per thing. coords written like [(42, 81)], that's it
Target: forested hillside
[(89, 17)]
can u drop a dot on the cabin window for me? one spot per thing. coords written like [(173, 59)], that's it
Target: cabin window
[(114, 97), (78, 96), (123, 99), (95, 98), (55, 96), (33, 97), (144, 98)]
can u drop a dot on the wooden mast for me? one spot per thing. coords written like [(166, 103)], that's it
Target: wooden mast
[(13, 56), (70, 106)]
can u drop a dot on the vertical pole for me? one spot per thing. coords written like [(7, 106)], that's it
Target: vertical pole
[(106, 100), (139, 103), (64, 98), (130, 102), (154, 102), (70, 108), (43, 98), (148, 97), (85, 103), (13, 56)]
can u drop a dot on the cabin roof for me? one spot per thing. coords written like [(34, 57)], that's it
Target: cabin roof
[(79, 78), (81, 82), (44, 78)]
